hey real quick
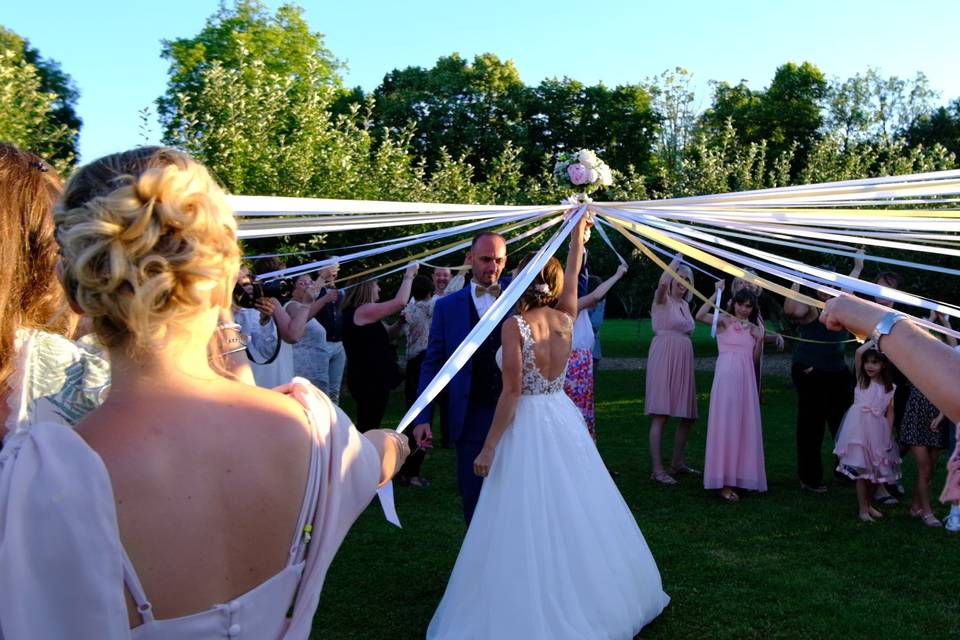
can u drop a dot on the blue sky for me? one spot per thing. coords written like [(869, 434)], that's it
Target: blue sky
[(112, 49)]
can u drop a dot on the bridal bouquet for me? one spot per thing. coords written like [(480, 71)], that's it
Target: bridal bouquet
[(582, 170)]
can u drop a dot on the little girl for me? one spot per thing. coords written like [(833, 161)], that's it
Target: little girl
[(865, 445), (734, 455)]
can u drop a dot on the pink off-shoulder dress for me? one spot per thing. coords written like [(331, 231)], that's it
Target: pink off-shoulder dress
[(671, 388)]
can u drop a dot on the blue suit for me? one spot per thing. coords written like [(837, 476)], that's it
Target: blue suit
[(454, 316)]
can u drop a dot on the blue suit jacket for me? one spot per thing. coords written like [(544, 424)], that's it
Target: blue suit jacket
[(451, 324)]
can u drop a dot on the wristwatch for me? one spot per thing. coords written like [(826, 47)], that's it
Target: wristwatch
[(885, 326)]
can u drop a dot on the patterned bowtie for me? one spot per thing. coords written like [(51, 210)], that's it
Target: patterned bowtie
[(493, 290)]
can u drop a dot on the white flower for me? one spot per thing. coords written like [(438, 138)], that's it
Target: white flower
[(606, 176), (592, 175), (587, 157)]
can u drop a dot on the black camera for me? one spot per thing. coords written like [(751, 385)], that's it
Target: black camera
[(277, 288)]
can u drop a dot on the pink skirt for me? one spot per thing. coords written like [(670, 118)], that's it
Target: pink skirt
[(734, 455), (671, 387)]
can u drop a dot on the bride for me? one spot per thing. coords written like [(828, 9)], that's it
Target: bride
[(553, 551)]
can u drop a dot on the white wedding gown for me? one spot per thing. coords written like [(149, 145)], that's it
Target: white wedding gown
[(553, 551)]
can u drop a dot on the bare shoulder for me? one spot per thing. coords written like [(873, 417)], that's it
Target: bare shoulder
[(249, 418)]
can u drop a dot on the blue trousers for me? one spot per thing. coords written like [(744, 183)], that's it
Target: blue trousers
[(468, 447)]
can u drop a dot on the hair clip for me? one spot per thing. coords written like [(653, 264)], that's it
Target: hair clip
[(39, 165)]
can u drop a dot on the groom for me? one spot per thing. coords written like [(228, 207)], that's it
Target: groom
[(473, 392)]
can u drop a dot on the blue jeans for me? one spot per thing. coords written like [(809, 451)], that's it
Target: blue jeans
[(338, 360)]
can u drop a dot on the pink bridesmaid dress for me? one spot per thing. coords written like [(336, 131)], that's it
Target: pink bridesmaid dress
[(671, 388), (734, 456)]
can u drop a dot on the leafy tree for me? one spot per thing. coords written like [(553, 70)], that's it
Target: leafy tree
[(872, 108), (941, 126), (786, 115), (466, 110), (673, 102), (620, 124), (236, 37), (37, 102)]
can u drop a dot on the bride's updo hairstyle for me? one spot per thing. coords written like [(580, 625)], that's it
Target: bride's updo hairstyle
[(147, 240), (545, 288)]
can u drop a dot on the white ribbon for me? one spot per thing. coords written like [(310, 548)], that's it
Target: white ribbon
[(716, 312), (487, 323)]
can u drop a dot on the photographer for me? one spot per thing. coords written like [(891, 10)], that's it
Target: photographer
[(269, 329)]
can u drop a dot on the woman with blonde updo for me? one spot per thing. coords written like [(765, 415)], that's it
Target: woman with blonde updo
[(547, 495), (44, 376), (188, 505)]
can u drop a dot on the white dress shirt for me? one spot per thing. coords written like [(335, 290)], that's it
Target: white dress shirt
[(481, 301)]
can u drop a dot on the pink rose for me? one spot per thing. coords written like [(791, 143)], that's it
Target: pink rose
[(577, 173)]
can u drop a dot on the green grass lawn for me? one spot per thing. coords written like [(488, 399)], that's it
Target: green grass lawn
[(631, 338), (784, 564)]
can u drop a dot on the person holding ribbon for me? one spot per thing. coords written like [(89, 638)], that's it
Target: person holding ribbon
[(734, 451), (823, 381), (473, 391), (553, 551), (671, 389), (372, 367)]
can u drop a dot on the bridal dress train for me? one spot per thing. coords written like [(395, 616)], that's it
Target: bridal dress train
[(553, 551)]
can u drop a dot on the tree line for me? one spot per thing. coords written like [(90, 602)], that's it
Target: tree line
[(258, 97)]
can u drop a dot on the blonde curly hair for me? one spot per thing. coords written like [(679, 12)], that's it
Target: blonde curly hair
[(147, 241)]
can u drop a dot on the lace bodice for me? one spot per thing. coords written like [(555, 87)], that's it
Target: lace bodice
[(532, 381)]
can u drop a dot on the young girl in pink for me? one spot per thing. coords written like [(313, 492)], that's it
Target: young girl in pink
[(734, 455), (865, 444)]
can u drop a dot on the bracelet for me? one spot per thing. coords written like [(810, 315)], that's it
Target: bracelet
[(228, 326), (237, 350), (241, 340), (885, 326)]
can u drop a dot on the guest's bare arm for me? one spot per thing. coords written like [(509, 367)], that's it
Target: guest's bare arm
[(929, 364), (798, 311), (593, 298), (705, 312), (393, 450), (663, 285), (375, 311)]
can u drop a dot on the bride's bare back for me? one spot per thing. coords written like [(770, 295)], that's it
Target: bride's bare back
[(552, 332)]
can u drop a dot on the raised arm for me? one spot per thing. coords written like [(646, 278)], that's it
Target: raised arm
[(593, 298), (929, 364), (944, 321), (798, 311), (705, 312), (567, 302), (375, 311), (507, 404), (300, 315), (663, 285)]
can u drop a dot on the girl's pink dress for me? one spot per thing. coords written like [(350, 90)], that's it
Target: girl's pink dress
[(671, 388), (865, 441), (734, 456)]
